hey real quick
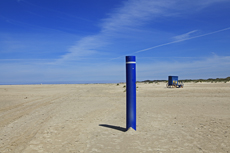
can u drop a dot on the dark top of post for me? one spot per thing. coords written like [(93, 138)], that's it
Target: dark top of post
[(130, 59)]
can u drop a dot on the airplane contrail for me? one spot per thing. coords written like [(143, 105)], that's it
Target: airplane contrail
[(173, 42)]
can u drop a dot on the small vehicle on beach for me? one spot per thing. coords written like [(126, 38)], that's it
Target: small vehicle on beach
[(173, 82), (174, 85)]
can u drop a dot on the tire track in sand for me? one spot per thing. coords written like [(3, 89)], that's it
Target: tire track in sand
[(18, 105), (18, 112), (19, 139)]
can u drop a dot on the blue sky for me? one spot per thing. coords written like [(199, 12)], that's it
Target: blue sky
[(73, 41)]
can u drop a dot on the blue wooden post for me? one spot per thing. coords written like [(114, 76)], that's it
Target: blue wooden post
[(130, 92)]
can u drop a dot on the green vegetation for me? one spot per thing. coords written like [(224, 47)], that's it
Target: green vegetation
[(209, 80), (225, 80), (154, 81)]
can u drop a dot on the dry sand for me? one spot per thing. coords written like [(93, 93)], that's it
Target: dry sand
[(91, 118)]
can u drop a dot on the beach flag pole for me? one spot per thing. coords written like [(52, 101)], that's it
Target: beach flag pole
[(130, 92)]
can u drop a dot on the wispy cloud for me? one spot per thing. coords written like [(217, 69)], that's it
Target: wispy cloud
[(38, 72), (85, 47), (206, 67), (134, 14), (186, 37)]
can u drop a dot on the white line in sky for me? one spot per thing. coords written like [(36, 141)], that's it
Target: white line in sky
[(173, 42)]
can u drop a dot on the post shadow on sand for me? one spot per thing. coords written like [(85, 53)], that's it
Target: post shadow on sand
[(114, 127)]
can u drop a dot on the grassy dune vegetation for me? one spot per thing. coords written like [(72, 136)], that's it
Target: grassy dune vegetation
[(225, 80)]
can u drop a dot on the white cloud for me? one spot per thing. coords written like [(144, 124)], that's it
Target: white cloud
[(85, 47), (209, 67), (133, 14), (184, 36), (36, 71)]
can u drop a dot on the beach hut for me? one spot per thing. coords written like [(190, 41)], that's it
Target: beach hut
[(173, 82)]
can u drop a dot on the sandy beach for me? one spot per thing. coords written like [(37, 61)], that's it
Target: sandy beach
[(91, 118)]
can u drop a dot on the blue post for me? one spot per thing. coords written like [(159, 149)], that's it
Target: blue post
[(130, 92)]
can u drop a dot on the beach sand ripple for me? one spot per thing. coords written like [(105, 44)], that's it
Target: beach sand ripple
[(91, 118)]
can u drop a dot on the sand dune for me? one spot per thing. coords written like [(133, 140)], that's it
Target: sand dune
[(91, 118)]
